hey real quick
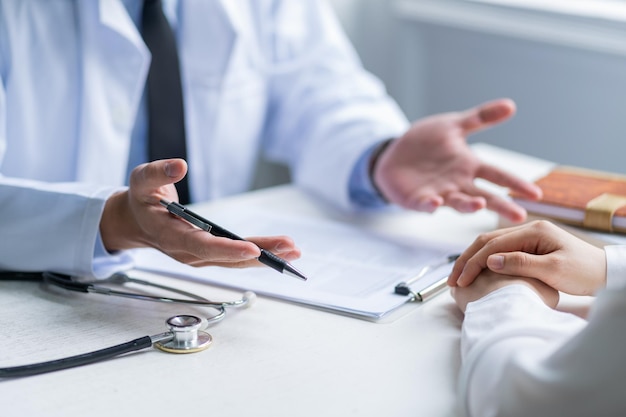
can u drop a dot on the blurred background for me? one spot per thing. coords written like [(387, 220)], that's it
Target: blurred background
[(562, 61)]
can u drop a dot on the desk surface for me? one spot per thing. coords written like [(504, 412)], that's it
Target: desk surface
[(275, 359)]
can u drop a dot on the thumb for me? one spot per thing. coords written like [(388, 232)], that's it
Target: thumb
[(518, 263), (487, 114), (149, 178)]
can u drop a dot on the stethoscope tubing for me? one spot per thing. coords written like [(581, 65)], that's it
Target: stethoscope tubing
[(173, 341), (77, 360), (66, 282), (94, 289)]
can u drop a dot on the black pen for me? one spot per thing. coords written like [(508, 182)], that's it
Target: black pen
[(267, 257)]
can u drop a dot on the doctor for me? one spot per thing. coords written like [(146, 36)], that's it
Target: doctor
[(277, 77)]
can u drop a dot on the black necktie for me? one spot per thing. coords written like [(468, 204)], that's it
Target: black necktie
[(166, 122)]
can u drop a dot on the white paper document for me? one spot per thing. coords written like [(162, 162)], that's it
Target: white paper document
[(350, 269)]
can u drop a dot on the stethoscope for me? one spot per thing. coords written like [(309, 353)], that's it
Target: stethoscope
[(185, 334)]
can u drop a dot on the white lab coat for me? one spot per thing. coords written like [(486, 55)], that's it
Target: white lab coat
[(521, 358), (258, 74)]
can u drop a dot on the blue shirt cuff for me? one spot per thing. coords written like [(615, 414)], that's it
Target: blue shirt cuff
[(360, 188)]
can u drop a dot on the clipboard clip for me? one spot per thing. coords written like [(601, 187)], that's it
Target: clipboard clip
[(403, 288)]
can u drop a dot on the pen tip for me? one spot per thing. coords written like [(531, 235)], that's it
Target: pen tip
[(293, 272), (164, 202)]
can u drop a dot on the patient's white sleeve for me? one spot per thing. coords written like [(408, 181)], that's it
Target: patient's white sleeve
[(615, 266), (521, 358)]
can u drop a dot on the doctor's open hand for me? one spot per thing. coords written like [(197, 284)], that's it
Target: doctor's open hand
[(538, 250), (431, 165), (134, 218)]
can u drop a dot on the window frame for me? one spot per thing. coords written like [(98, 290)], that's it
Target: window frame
[(601, 28)]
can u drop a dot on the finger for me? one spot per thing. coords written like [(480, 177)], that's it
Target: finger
[(522, 264), (252, 263), (425, 202), (505, 208), (282, 246), (513, 240), (147, 179), (486, 115), (502, 206), (274, 244), (193, 246), (233, 265), (471, 251), (517, 185), (465, 270), (188, 242), (465, 203), (196, 262), (461, 261)]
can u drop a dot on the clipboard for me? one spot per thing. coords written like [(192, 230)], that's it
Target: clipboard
[(352, 269), (425, 293)]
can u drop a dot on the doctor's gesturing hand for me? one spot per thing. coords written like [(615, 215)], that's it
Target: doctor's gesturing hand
[(538, 250), (134, 218), (431, 165)]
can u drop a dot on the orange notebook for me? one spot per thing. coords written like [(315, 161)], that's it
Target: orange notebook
[(585, 198)]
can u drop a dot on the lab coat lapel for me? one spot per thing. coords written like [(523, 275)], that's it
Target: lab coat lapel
[(115, 66), (207, 38)]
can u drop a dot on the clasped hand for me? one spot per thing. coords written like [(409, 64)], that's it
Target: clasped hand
[(539, 253)]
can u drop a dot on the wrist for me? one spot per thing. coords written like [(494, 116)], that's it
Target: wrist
[(489, 282), (547, 294), (375, 157), (117, 228)]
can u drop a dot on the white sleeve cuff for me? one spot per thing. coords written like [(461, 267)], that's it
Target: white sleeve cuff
[(509, 303), (615, 266), (104, 263), (509, 324)]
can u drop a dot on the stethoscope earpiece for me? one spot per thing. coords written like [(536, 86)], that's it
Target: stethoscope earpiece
[(248, 298)]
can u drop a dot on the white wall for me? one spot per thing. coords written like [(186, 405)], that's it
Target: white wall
[(568, 76)]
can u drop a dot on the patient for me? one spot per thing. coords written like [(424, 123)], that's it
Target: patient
[(521, 357)]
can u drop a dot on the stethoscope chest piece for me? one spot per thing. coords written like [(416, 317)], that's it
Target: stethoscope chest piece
[(187, 336)]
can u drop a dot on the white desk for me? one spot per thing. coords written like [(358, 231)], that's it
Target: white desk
[(275, 359)]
